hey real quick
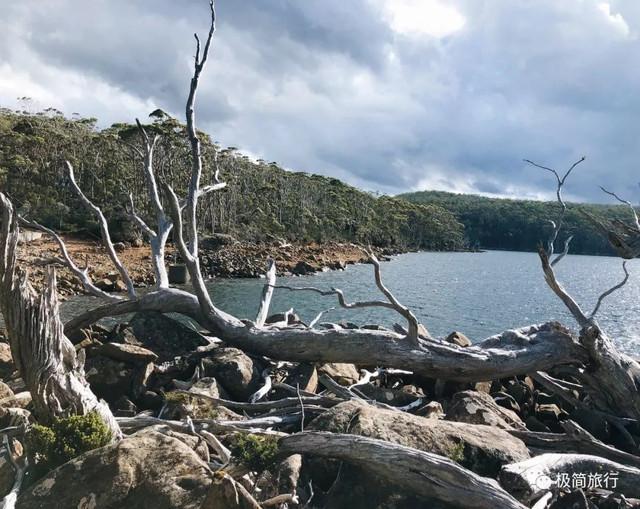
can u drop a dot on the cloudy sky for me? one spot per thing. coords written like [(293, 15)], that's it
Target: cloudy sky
[(389, 95)]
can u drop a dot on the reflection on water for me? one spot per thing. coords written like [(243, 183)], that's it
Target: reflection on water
[(477, 294)]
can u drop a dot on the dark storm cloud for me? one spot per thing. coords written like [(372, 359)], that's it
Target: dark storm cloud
[(343, 88)]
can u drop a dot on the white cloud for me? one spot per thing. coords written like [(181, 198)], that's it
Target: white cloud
[(423, 17), (616, 20)]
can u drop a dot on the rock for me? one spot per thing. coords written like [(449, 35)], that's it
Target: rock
[(305, 376), (549, 412), (235, 371), (533, 424), (506, 401), (125, 352), (483, 449), (483, 387), (20, 400), (124, 407), (14, 417), (216, 241), (302, 268), (393, 397), (109, 379), (432, 410), (166, 337), (344, 374), (148, 470), (573, 500), (348, 325), (119, 247), (105, 284), (279, 317), (7, 472), (119, 286), (207, 386), (7, 367), (480, 408), (520, 392), (458, 338), (5, 391)]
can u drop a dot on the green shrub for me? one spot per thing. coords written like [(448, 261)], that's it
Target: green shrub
[(255, 451), (51, 446)]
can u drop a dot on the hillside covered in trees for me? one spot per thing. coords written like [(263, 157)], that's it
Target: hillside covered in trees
[(519, 225), (261, 202)]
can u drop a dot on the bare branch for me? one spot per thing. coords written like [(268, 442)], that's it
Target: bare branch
[(81, 274), (626, 202), (564, 253), (569, 302), (392, 303), (340, 295), (106, 237), (138, 220), (267, 293), (196, 151), (403, 310), (557, 226), (612, 289), (157, 240)]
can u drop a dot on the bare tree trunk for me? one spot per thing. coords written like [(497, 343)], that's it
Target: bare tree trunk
[(45, 358), (423, 473)]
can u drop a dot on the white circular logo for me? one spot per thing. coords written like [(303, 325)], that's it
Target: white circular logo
[(543, 482)]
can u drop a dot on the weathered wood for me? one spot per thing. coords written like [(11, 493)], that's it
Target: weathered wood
[(528, 479), (575, 440), (425, 474), (512, 353), (44, 357)]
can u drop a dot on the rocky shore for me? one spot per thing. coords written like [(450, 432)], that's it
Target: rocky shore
[(207, 403), (220, 256)]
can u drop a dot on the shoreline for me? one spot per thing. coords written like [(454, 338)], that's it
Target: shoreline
[(226, 258)]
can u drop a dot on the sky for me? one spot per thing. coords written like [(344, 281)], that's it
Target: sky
[(388, 95)]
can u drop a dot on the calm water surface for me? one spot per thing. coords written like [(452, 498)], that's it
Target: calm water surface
[(479, 294)]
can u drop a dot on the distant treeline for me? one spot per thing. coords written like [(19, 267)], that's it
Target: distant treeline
[(519, 225), (261, 201)]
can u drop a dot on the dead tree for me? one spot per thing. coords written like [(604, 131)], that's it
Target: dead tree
[(611, 377), (44, 357)]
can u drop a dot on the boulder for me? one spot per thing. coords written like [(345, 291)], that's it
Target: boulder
[(480, 408), (302, 268), (5, 391), (125, 352), (148, 470), (235, 371), (109, 379), (19, 400), (458, 338), (304, 376), (483, 449), (344, 374), (7, 367), (279, 317), (166, 337)]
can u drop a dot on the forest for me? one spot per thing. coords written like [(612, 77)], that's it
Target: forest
[(262, 201), (518, 225)]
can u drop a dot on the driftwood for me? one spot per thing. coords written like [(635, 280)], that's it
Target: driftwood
[(529, 479), (575, 440), (45, 358), (425, 474)]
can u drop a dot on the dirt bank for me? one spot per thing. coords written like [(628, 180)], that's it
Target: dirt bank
[(227, 259)]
